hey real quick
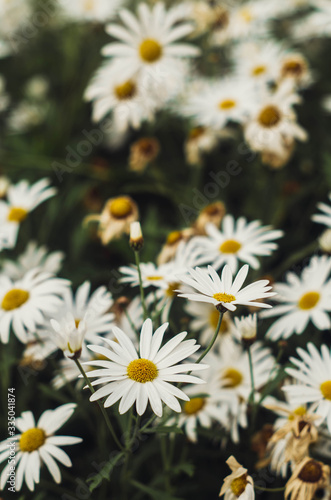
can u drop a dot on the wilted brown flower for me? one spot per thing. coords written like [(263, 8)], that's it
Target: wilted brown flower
[(115, 218), (309, 476), (174, 238), (236, 483), (300, 432), (212, 213), (143, 152)]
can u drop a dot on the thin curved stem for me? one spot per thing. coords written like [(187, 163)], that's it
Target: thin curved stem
[(103, 411), (142, 293)]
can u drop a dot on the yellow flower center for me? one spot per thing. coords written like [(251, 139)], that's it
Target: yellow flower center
[(120, 208), (32, 439), (88, 5), (294, 68), (224, 297), (258, 70), (77, 321), (230, 246), (171, 289), (14, 299), (196, 132), (233, 377), (300, 411), (227, 104), (154, 278), (238, 485), (174, 237), (17, 214), (125, 91), (246, 15), (269, 116), (194, 405), (150, 50), (311, 472), (326, 389), (309, 300), (142, 370)]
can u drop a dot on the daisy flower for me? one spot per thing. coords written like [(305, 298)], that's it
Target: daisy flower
[(257, 61), (325, 216), (21, 200), (245, 329), (273, 124), (223, 291), (308, 477), (205, 319), (237, 241), (317, 24), (314, 371), (139, 378), (33, 257), (114, 89), (306, 298), (37, 445), (78, 317), (115, 218), (90, 10), (149, 44), (200, 411), (201, 140), (215, 103), (234, 371), (294, 68), (25, 303), (238, 485)]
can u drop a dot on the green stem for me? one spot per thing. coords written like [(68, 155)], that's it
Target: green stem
[(252, 394), (213, 340), (142, 293), (272, 490), (103, 411)]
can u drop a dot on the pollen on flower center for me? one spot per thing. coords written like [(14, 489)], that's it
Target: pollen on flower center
[(269, 116), (233, 377), (126, 90), (142, 370), (227, 104), (311, 472), (238, 485), (120, 208), (17, 214), (194, 405), (32, 439), (309, 300), (258, 70), (150, 50), (14, 299), (326, 389), (230, 246), (224, 297)]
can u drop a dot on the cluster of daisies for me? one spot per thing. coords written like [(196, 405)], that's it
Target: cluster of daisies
[(153, 63), (132, 359)]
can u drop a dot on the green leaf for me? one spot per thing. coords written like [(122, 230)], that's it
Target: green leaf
[(155, 494), (166, 429), (105, 472)]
